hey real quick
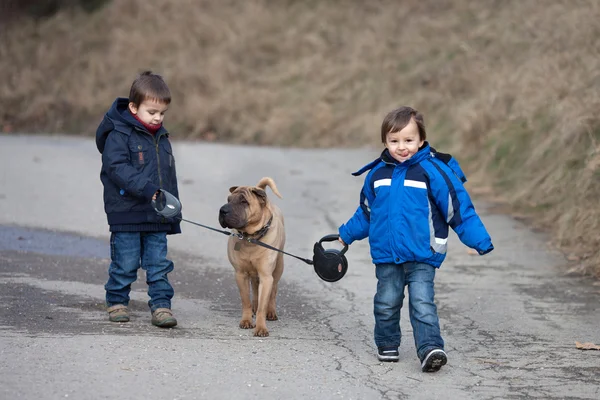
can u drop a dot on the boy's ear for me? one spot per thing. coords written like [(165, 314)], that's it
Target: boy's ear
[(133, 108)]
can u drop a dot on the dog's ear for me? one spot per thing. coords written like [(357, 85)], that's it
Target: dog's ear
[(261, 195), (232, 189)]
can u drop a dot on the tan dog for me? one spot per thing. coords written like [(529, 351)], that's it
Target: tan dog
[(249, 211)]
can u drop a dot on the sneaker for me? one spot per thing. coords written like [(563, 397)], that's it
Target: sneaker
[(163, 318), (388, 354), (118, 313), (433, 360)]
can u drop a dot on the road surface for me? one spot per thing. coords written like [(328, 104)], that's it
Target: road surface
[(510, 319)]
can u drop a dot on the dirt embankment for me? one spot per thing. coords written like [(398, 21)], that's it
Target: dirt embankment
[(511, 87)]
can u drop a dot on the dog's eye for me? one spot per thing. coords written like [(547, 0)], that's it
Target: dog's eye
[(244, 201)]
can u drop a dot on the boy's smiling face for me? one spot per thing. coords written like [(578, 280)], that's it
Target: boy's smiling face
[(405, 143), (150, 111)]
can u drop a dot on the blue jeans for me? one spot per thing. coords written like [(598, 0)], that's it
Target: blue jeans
[(129, 251), (391, 280)]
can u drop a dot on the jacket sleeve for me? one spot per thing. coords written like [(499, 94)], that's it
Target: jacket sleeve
[(115, 160), (453, 201), (357, 227)]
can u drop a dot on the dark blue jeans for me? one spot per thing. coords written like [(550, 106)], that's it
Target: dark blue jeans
[(129, 251), (391, 280)]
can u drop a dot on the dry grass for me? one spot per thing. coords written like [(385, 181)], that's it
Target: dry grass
[(512, 87)]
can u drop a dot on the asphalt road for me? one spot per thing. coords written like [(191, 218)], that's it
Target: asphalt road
[(510, 319)]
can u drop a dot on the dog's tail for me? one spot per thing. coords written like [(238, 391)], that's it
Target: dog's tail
[(266, 181)]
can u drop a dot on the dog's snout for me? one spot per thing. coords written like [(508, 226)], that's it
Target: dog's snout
[(223, 215), (225, 209)]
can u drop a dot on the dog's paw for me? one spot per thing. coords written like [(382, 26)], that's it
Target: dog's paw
[(272, 316), (261, 332), (246, 324)]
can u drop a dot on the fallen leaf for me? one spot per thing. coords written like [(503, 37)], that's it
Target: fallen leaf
[(587, 346)]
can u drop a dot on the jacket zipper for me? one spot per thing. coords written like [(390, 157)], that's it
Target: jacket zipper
[(160, 184), (158, 161)]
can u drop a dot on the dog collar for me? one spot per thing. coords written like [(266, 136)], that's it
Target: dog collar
[(260, 233)]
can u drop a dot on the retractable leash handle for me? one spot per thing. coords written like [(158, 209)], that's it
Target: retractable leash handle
[(332, 238), (169, 206), (330, 265), (166, 204)]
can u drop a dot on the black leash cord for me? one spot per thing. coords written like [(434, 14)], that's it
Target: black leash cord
[(258, 242), (207, 227), (250, 240)]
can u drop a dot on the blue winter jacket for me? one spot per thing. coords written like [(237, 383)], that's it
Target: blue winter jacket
[(135, 164), (405, 209)]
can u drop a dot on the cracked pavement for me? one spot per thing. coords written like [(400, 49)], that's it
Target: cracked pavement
[(510, 319)]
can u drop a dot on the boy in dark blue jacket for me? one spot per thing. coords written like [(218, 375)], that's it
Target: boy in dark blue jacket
[(137, 161), (410, 197)]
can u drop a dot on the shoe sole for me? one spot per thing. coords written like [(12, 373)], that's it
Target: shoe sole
[(434, 361), (168, 323), (119, 319), (388, 358)]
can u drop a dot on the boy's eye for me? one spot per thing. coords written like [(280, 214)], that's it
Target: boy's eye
[(151, 112)]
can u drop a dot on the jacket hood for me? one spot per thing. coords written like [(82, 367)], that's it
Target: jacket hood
[(118, 118)]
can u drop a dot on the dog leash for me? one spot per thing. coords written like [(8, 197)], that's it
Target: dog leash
[(240, 236)]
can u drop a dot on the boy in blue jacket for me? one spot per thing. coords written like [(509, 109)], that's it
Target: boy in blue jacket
[(410, 197), (137, 161)]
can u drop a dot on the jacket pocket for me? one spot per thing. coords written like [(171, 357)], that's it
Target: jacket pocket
[(138, 154)]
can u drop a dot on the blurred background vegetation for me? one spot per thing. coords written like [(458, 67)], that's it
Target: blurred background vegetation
[(511, 87)]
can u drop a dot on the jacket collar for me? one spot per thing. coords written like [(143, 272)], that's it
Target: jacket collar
[(122, 118), (423, 153), (386, 158)]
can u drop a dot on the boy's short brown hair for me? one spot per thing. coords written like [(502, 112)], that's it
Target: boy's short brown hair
[(149, 86), (397, 120)]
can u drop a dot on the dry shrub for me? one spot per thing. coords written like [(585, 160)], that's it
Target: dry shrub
[(510, 86)]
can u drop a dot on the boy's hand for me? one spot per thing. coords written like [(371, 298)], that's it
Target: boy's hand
[(155, 194), (341, 241)]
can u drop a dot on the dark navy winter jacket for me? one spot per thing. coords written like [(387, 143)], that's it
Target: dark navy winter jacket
[(406, 208), (135, 164)]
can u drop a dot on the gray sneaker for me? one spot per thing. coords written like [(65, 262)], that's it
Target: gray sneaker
[(118, 313), (163, 318)]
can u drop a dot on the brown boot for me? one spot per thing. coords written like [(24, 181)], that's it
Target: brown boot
[(163, 317), (118, 313)]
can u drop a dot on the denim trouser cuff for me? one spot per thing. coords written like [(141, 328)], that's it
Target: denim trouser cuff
[(161, 305)]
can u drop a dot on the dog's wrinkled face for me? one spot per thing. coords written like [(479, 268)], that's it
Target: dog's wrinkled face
[(244, 207)]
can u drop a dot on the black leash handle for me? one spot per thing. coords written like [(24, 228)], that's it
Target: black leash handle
[(250, 240)]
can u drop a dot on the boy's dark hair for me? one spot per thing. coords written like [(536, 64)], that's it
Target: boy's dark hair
[(397, 120), (149, 86)]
